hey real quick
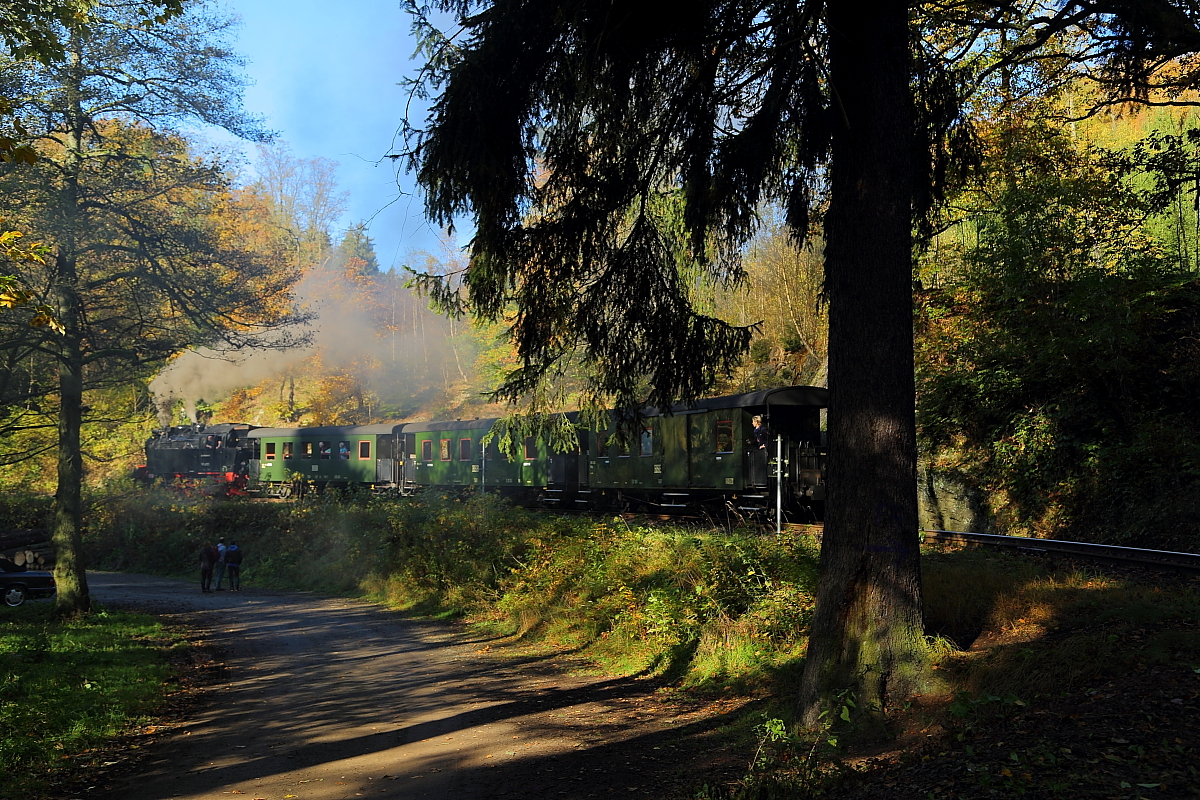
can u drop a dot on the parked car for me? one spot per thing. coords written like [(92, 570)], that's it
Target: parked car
[(18, 585)]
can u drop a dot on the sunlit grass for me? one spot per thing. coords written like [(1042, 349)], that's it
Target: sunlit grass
[(701, 606), (66, 687)]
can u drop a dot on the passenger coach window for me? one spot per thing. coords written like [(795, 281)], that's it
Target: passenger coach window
[(325, 450), (427, 449), (344, 451), (287, 449), (364, 450), (530, 448), (725, 436), (464, 449), (445, 450), (647, 442), (306, 450), (270, 451)]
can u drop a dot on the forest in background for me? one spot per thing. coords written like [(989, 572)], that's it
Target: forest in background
[(1056, 321)]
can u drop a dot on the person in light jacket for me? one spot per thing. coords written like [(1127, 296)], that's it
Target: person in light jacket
[(219, 567)]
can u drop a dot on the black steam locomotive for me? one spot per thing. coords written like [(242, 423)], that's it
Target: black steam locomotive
[(756, 452), (213, 456)]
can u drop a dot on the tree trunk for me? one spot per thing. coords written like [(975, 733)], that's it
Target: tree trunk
[(867, 641), (70, 579)]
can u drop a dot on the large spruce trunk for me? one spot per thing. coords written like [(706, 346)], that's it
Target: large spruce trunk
[(866, 641)]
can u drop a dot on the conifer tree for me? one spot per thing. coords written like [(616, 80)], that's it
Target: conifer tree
[(560, 129), (357, 248)]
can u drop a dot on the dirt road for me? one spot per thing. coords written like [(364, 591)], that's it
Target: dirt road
[(324, 699)]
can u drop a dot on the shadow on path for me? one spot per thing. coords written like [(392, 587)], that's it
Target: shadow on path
[(330, 698)]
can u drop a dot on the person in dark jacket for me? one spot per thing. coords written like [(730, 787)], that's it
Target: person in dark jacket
[(233, 566), (208, 557), (761, 437)]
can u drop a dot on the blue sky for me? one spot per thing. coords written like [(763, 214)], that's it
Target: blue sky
[(325, 77)]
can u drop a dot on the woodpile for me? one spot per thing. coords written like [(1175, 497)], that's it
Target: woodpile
[(30, 549)]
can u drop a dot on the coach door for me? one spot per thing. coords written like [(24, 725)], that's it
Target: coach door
[(757, 458), (385, 460), (404, 470), (676, 459)]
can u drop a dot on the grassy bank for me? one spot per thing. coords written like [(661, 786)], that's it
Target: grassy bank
[(68, 687), (1052, 680), (1009, 637), (703, 605)]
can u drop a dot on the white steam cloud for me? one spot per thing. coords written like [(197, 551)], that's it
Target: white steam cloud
[(383, 333)]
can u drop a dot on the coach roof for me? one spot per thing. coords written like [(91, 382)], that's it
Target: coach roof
[(329, 431)]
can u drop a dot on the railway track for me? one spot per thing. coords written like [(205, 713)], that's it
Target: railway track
[(1106, 553)]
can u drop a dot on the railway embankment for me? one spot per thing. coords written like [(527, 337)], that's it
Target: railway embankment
[(1084, 681)]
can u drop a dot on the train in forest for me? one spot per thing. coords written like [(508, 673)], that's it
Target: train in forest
[(719, 454)]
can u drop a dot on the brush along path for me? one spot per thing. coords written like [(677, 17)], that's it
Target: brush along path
[(323, 699)]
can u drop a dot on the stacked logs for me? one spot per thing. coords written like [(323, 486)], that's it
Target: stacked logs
[(28, 549)]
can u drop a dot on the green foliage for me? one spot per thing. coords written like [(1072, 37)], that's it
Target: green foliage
[(357, 252), (450, 556), (964, 706), (787, 765), (714, 607), (1054, 350), (35, 28), (510, 432), (66, 687), (24, 510)]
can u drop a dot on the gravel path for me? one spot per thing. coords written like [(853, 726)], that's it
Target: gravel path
[(329, 698)]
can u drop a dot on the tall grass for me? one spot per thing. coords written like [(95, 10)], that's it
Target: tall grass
[(702, 605)]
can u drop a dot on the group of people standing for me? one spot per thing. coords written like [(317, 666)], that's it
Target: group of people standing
[(220, 561)]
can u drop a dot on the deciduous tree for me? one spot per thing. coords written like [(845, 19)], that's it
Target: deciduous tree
[(140, 266), (304, 196)]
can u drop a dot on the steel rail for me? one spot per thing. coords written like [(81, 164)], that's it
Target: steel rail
[(1158, 559)]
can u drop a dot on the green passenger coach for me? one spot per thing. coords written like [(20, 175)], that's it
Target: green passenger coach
[(452, 454), (340, 455)]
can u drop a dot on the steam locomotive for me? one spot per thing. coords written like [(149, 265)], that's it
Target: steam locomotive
[(706, 455)]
